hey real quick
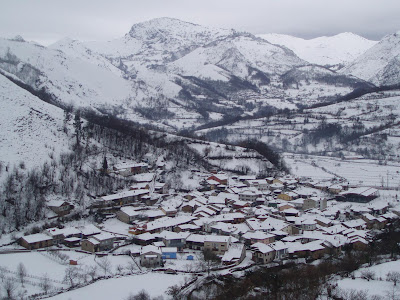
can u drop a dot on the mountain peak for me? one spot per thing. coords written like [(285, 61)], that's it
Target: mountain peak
[(165, 24), (18, 38)]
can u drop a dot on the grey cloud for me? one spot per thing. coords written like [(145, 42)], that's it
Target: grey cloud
[(49, 20)]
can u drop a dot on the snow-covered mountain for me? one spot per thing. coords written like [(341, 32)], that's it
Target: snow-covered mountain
[(326, 50), (165, 68), (30, 127), (380, 64), (69, 79)]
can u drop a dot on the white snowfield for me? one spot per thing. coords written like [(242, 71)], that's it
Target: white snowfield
[(156, 284), (30, 127), (379, 286), (325, 50), (71, 80), (380, 64)]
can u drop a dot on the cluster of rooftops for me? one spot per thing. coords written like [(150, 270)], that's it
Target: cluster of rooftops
[(272, 217)]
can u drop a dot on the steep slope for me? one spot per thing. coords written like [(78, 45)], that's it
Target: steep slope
[(31, 130), (159, 40), (78, 50), (238, 55), (326, 50), (168, 72), (380, 64), (68, 79)]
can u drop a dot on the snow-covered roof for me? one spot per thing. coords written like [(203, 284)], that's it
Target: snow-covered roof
[(37, 237), (167, 222), (89, 229), (104, 236), (144, 177), (150, 249), (171, 235), (130, 165), (130, 211), (217, 238), (147, 236), (363, 191), (234, 253), (263, 248), (169, 249), (257, 235), (56, 203), (124, 194)]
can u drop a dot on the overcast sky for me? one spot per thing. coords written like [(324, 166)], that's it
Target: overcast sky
[(47, 21)]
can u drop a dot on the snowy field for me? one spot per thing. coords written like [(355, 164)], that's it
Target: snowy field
[(156, 284), (378, 286), (43, 264), (357, 172)]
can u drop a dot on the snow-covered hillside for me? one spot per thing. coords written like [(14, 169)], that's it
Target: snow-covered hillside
[(69, 79), (175, 74), (380, 64), (31, 130), (326, 50)]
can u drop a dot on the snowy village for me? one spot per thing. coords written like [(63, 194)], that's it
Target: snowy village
[(230, 224)]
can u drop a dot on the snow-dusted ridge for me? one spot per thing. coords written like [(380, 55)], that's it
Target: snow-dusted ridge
[(182, 69), (326, 50), (380, 64), (30, 127)]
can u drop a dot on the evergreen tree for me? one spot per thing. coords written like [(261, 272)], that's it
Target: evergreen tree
[(78, 127), (105, 166)]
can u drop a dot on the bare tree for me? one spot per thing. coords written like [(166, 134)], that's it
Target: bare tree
[(368, 275), (10, 287), (92, 272), (70, 276), (393, 276), (119, 269), (22, 273), (105, 265), (210, 259), (142, 295), (45, 283), (393, 293), (131, 266), (174, 291)]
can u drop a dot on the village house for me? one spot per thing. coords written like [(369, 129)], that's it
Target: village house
[(262, 253), (144, 181), (98, 243), (195, 241), (315, 202), (217, 244), (36, 241), (161, 188), (235, 254), (56, 234), (288, 196), (249, 196), (169, 211), (144, 239), (127, 214), (220, 178), (128, 169), (120, 199), (189, 207), (360, 194), (60, 207), (258, 237), (167, 223), (150, 256), (260, 184), (169, 252), (174, 239)]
